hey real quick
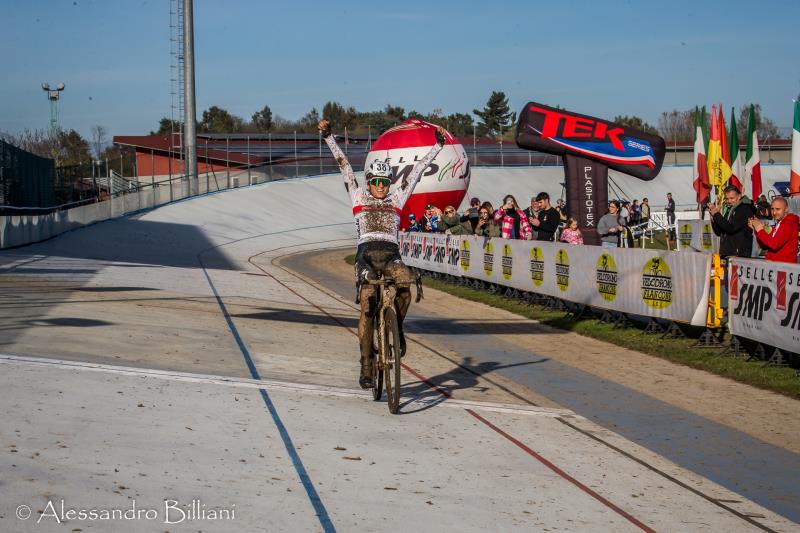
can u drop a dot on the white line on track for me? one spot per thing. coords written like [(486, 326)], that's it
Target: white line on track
[(307, 388)]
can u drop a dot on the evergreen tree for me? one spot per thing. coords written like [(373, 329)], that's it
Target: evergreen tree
[(218, 120), (496, 116), (262, 120)]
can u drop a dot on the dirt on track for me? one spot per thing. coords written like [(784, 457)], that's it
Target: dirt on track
[(767, 416)]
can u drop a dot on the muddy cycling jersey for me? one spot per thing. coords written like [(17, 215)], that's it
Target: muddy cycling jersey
[(378, 220)]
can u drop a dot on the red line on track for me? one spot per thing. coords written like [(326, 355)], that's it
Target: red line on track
[(633, 520), (564, 475)]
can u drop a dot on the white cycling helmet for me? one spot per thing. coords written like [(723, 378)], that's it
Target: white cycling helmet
[(379, 169)]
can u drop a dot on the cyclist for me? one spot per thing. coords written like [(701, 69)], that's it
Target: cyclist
[(377, 217)]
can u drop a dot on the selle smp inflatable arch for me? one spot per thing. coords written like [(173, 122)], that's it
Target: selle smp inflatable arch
[(589, 146)]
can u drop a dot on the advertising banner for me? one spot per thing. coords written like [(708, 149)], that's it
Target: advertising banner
[(764, 302), (587, 194), (642, 282), (558, 131), (696, 236)]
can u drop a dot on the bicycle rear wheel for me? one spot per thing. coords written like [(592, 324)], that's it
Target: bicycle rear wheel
[(377, 371), (391, 360)]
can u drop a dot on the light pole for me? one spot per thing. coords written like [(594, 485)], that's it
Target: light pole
[(54, 95)]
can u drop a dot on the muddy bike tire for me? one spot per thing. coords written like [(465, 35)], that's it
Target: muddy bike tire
[(391, 360), (377, 372)]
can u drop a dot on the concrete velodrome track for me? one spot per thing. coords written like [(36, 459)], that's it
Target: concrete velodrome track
[(198, 353)]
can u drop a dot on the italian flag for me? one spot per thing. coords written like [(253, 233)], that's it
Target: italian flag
[(794, 175), (752, 164), (735, 156), (718, 169), (700, 183)]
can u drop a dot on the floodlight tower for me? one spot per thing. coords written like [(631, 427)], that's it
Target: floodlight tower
[(53, 95), (190, 117)]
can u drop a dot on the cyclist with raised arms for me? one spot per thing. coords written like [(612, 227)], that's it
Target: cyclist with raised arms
[(377, 217)]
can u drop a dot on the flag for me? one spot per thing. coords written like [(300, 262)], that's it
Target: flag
[(735, 157), (718, 169), (700, 184), (794, 174), (724, 149), (752, 157)]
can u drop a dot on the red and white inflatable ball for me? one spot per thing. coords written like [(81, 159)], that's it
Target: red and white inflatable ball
[(445, 181)]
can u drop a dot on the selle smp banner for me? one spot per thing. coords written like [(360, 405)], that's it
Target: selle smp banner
[(764, 302), (561, 132)]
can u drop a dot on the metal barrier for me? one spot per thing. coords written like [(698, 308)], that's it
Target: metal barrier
[(25, 178)]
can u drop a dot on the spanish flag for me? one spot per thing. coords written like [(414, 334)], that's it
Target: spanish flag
[(719, 171)]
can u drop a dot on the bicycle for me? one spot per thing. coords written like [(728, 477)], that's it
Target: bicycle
[(387, 357)]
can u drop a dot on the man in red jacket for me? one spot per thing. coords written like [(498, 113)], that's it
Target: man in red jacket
[(781, 242)]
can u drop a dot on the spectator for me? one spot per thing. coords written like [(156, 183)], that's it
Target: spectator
[(645, 209), (561, 207), (610, 226), (781, 242), (532, 213), (472, 214), (735, 236), (488, 206), (450, 223), (624, 212), (413, 224), (763, 208), (671, 216), (429, 222), (548, 220), (486, 226), (636, 212), (571, 234), (514, 223)]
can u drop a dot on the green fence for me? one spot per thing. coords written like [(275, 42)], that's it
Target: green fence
[(26, 180)]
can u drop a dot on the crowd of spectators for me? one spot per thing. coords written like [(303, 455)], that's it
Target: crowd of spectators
[(736, 222), (539, 221)]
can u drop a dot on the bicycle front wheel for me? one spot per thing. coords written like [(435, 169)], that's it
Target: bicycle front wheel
[(391, 363), (377, 370)]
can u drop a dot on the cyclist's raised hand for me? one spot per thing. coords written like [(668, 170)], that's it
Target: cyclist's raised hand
[(324, 127), (440, 136)]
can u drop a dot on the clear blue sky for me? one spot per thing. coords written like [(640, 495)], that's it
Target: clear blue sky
[(600, 58)]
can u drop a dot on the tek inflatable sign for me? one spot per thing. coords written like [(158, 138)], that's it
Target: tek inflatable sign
[(561, 132)]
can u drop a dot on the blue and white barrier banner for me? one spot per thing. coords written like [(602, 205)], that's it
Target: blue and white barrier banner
[(696, 236), (660, 284), (764, 302)]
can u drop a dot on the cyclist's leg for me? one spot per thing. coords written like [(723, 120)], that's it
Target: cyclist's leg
[(368, 302), (402, 275)]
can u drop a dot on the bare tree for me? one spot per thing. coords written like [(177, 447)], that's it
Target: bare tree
[(676, 125), (98, 139)]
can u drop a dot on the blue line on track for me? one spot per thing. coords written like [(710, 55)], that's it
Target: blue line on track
[(316, 502)]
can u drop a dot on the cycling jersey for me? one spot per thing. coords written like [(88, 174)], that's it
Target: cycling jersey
[(378, 220)]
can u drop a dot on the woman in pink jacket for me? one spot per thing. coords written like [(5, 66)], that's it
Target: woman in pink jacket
[(514, 222)]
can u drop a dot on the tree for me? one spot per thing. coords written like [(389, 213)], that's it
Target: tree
[(632, 121), (218, 120), (262, 120), (459, 124), (765, 128), (98, 139), (166, 126), (339, 116), (308, 122), (72, 149), (675, 125), (496, 116)]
